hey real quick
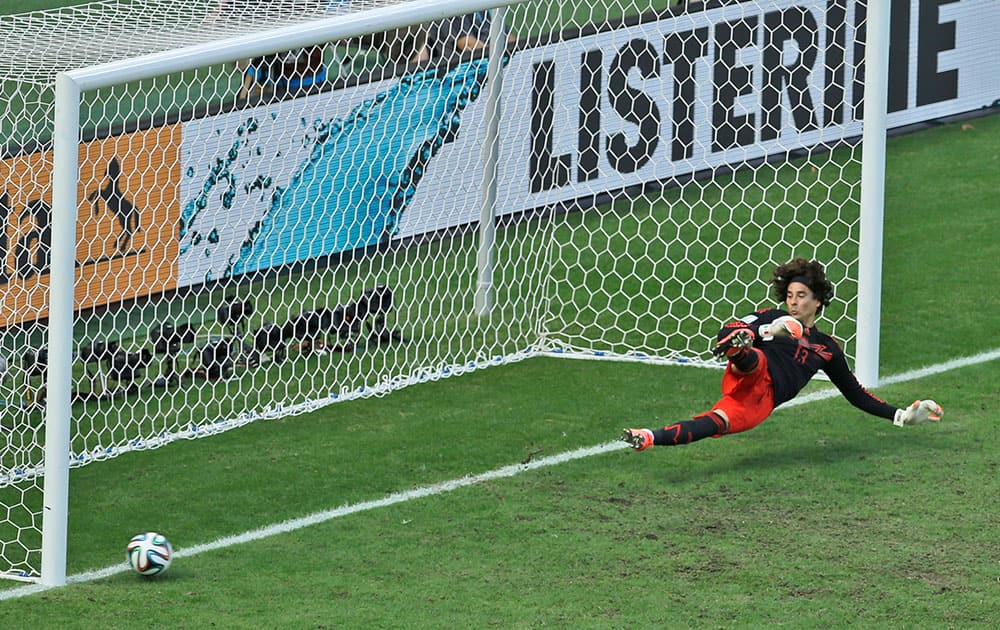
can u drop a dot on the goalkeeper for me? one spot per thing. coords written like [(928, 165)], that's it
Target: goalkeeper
[(771, 356)]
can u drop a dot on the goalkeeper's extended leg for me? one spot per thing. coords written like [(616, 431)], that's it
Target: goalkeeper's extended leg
[(639, 439), (737, 347), (684, 432)]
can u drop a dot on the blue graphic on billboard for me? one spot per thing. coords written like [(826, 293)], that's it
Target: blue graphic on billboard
[(342, 185)]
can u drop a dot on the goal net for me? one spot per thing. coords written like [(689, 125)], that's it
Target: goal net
[(260, 231)]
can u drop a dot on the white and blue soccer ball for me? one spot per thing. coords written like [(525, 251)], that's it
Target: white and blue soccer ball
[(149, 553)]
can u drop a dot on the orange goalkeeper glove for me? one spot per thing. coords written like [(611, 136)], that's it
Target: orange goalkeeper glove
[(784, 326)]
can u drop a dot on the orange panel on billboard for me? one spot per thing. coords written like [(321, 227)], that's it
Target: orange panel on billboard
[(128, 212)]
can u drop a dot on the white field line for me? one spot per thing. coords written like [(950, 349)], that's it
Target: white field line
[(455, 484)]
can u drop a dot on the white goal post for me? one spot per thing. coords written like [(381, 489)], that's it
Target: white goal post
[(610, 181), (66, 175)]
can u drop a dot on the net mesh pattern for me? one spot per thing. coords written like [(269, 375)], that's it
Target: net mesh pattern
[(266, 238), (38, 45)]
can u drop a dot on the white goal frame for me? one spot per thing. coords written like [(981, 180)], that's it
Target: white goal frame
[(70, 86)]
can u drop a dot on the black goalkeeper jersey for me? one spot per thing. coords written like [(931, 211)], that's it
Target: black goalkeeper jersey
[(792, 362)]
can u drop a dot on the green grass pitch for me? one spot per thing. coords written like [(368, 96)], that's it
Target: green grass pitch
[(821, 517)]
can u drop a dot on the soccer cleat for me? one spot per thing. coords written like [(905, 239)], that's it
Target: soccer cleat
[(734, 344), (639, 439)]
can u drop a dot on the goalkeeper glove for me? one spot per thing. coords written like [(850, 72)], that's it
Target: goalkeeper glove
[(920, 412), (784, 326)]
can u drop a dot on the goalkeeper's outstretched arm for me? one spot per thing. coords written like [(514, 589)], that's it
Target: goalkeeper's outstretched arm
[(920, 412)]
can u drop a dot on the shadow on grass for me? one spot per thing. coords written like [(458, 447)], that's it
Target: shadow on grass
[(767, 453)]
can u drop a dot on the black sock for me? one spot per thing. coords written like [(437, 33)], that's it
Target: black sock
[(745, 361), (688, 431)]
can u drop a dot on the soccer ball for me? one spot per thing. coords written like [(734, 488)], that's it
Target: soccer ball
[(149, 553)]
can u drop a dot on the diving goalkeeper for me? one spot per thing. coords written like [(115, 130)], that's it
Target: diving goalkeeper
[(771, 356)]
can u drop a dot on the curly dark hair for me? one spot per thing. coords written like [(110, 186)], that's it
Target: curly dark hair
[(812, 271)]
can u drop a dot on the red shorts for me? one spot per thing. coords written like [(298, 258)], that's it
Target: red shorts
[(747, 399)]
